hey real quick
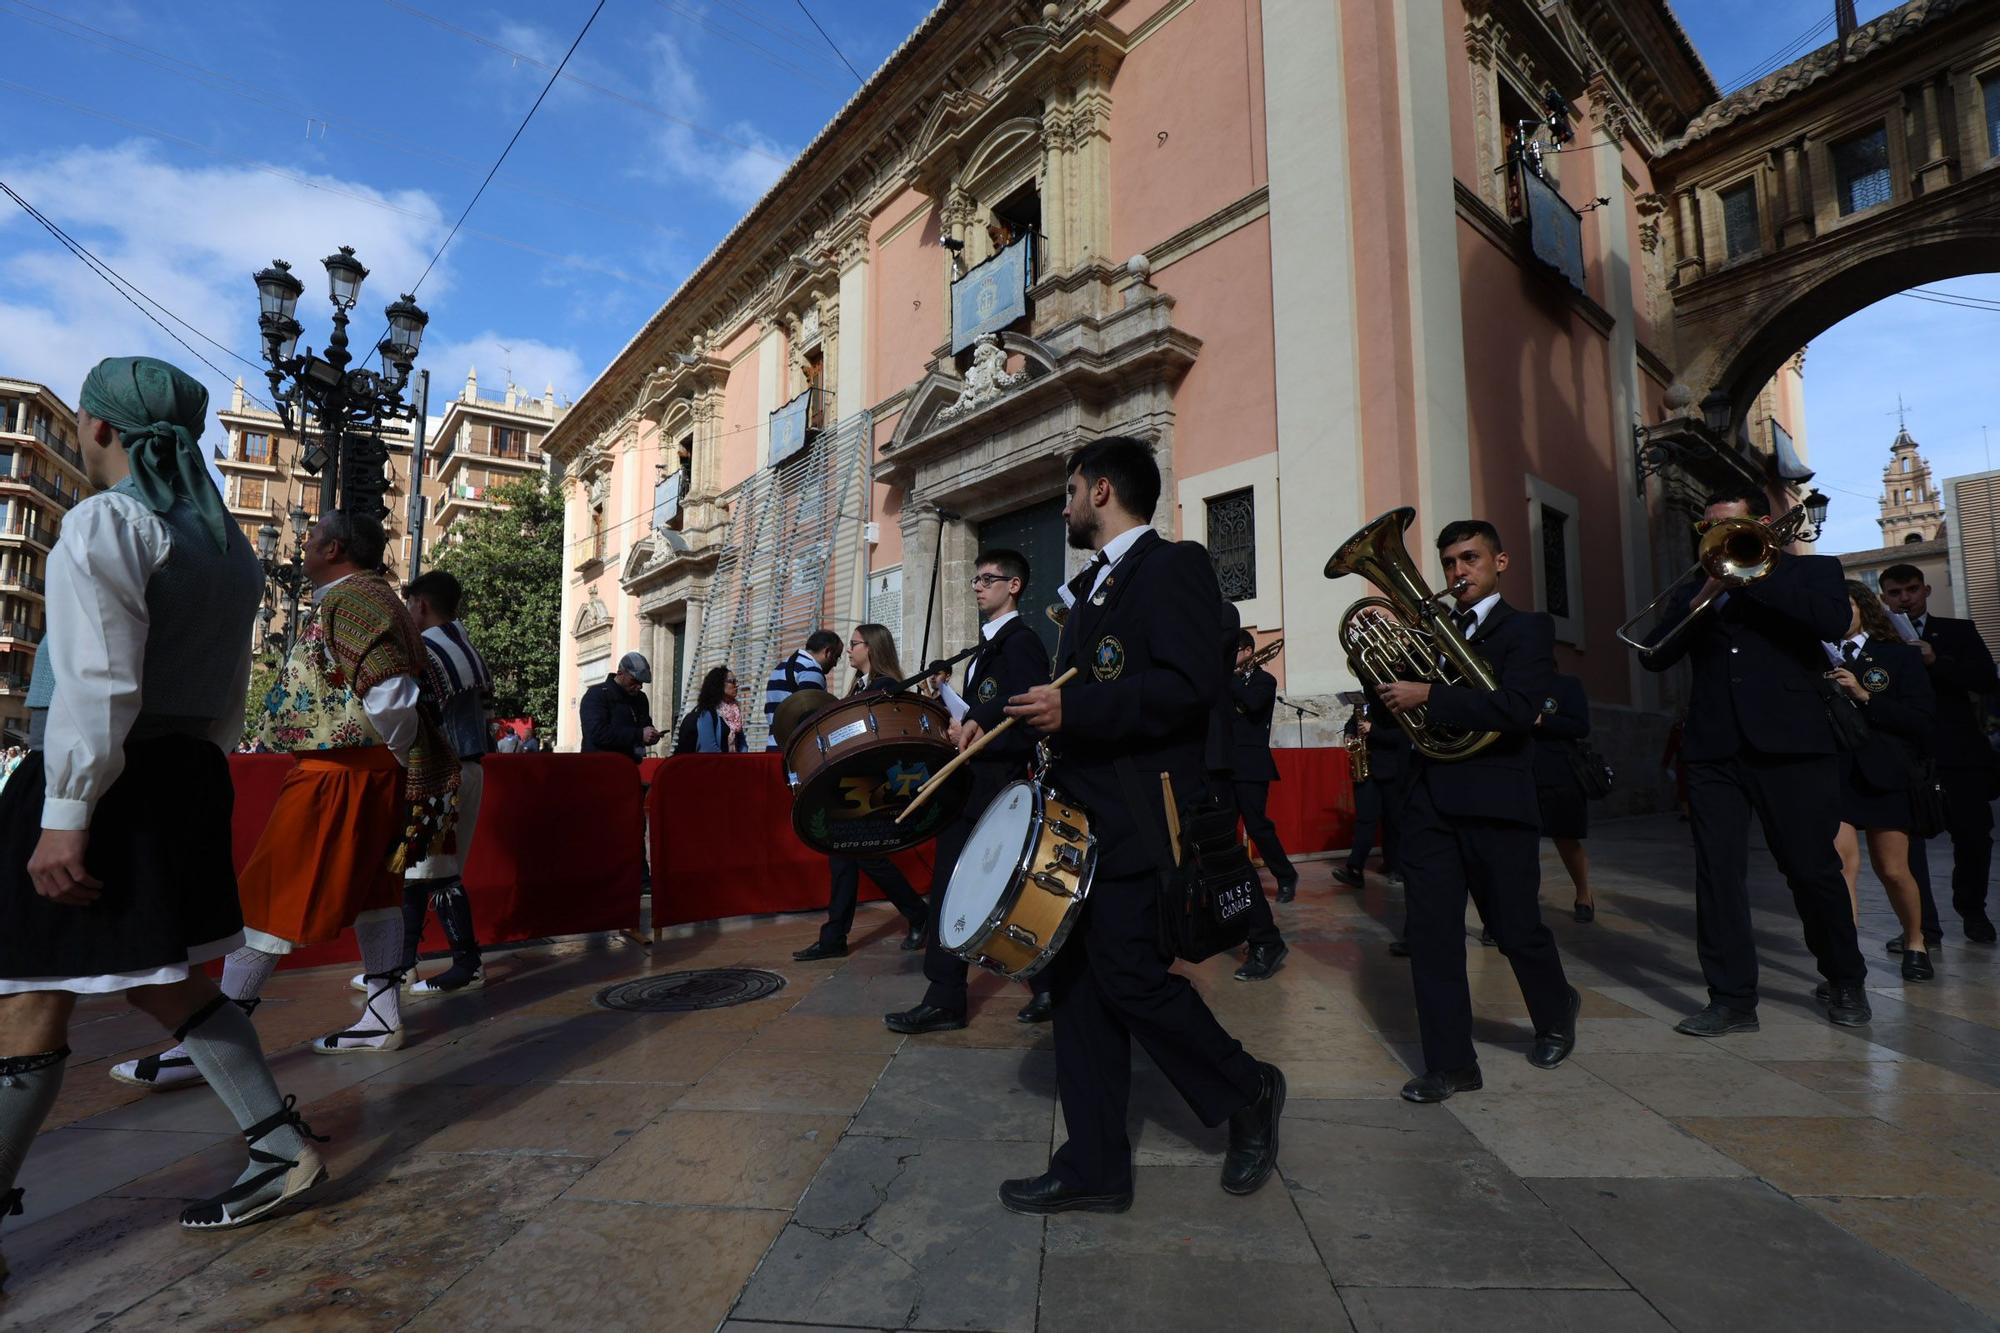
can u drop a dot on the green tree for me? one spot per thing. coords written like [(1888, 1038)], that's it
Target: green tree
[(510, 562), (263, 675)]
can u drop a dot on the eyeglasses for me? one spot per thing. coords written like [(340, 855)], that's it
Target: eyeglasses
[(988, 580), (730, 681)]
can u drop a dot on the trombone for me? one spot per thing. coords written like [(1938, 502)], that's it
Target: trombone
[(1263, 655), (1735, 552)]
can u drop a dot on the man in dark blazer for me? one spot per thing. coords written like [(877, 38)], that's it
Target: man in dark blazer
[(1472, 827), (1375, 800), (1144, 634), (1961, 671), (1010, 661), (1266, 943), (1253, 695), (1758, 737)]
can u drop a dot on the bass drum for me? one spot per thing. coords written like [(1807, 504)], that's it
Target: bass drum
[(855, 765), (1019, 886)]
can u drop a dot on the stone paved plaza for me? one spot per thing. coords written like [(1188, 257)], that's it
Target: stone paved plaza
[(533, 1161)]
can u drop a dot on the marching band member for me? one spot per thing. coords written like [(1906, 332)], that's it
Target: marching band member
[(1471, 827), (1758, 738), (1253, 694), (1144, 630), (1267, 947), (1961, 670), (1010, 661), (871, 651), (1565, 720), (1878, 782), (1388, 751)]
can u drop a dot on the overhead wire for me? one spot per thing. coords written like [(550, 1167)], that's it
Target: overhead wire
[(749, 15), (1784, 56), (730, 34), (830, 44)]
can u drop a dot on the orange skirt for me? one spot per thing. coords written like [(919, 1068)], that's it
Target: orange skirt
[(323, 859)]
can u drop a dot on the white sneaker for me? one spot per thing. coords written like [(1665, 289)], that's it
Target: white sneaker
[(161, 1073), (436, 986)]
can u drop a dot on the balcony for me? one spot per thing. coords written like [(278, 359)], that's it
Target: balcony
[(518, 459), (993, 295), (20, 631), (13, 682), (22, 583), (28, 530), (459, 500)]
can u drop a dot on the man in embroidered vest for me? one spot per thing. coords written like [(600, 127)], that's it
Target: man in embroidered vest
[(374, 788), (115, 873)]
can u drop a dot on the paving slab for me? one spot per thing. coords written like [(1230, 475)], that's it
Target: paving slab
[(1586, 1133), (743, 1159), (1425, 1310), (1727, 1255), (1082, 1294), (930, 1094)]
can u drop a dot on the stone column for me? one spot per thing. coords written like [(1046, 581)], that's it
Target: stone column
[(919, 523), (1938, 169), (851, 257), (770, 376), (1688, 259)]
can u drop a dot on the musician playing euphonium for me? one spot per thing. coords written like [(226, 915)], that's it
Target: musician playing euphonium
[(1472, 826)]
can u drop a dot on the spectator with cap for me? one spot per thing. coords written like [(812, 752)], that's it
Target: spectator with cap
[(616, 717)]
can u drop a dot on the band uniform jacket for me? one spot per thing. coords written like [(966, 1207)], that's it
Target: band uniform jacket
[(1012, 662), (1252, 699), (1498, 783), (1565, 720), (1757, 660), (1963, 669), (1150, 671), (1388, 748), (1900, 712)]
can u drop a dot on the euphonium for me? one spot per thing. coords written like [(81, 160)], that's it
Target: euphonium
[(1402, 635)]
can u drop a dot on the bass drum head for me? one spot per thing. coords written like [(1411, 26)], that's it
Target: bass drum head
[(849, 807), (985, 869)]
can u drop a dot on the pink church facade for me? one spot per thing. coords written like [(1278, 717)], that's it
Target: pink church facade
[(1288, 243)]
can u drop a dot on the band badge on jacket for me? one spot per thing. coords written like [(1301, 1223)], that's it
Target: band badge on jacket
[(1549, 706), (988, 691), (1109, 660), (1874, 680)]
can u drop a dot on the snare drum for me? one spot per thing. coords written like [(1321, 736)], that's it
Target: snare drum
[(853, 766), (1019, 885)]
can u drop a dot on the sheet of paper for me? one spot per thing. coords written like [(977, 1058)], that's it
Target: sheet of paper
[(953, 702), (1904, 629)]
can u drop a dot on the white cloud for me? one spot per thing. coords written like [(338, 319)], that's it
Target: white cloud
[(738, 172), (531, 363), (190, 237)]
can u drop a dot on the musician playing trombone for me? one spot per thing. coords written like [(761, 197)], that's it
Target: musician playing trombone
[(1472, 826), (1759, 738)]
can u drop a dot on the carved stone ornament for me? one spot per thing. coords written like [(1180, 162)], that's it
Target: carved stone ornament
[(985, 380), (1650, 207), (600, 490)]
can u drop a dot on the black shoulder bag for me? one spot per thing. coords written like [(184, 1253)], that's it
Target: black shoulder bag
[(1850, 725), (1593, 775), (1205, 898)]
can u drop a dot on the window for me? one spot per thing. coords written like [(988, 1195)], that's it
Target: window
[(1906, 495), (598, 537), (1555, 544), (510, 442), (1739, 221), (1910, 537), (1232, 543), (1861, 170), (1555, 561), (1991, 87), (256, 447), (250, 492), (815, 372), (1906, 465)]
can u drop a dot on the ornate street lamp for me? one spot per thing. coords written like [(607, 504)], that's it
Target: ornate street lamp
[(347, 409)]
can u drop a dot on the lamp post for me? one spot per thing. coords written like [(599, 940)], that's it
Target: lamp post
[(347, 408), (284, 579)]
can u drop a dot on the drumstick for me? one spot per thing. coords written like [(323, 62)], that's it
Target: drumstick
[(938, 778), (1173, 816)]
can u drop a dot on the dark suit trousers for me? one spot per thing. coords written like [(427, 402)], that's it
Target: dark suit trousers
[(1968, 820), (1251, 798), (1370, 813), (944, 970), (1112, 984), (1445, 860), (846, 892), (1796, 800)]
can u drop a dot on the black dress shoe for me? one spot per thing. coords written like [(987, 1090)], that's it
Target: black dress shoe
[(1047, 1193), (914, 938), (1393, 879), (1253, 1136), (1585, 913), (1553, 1047), (1979, 929), (1718, 1020), (1040, 1008), (1847, 1004), (1895, 943), (1263, 961), (1436, 1087), (1288, 890), (1399, 948), (924, 1018), (1349, 876), (819, 949), (1822, 992), (1917, 966)]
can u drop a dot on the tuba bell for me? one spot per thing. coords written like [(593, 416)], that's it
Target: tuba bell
[(1401, 635)]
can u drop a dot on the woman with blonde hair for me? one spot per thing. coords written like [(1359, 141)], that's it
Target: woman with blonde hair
[(871, 651), (1882, 781)]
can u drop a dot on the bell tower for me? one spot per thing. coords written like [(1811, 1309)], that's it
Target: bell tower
[(1912, 509)]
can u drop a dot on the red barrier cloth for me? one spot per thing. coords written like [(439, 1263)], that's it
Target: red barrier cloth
[(1312, 802), (723, 843), (649, 768), (558, 848)]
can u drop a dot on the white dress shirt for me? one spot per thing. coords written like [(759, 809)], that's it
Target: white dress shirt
[(97, 575), (392, 705), (1480, 610), (1834, 651)]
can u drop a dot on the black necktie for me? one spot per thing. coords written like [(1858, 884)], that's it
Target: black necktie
[(1465, 622), (1850, 652), (1080, 587)]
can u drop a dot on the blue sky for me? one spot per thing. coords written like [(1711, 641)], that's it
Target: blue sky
[(189, 152)]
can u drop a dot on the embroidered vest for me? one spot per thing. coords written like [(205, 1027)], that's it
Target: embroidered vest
[(313, 705)]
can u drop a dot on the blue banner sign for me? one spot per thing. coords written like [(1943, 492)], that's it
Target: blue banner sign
[(1554, 228), (990, 297), (788, 428)]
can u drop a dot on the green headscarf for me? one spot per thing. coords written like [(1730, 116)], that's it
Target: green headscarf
[(159, 412)]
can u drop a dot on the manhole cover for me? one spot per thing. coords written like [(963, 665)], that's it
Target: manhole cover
[(678, 992)]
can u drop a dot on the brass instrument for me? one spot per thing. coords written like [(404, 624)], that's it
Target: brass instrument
[(1357, 750), (1734, 552), (1262, 655), (1057, 612), (1403, 636)]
